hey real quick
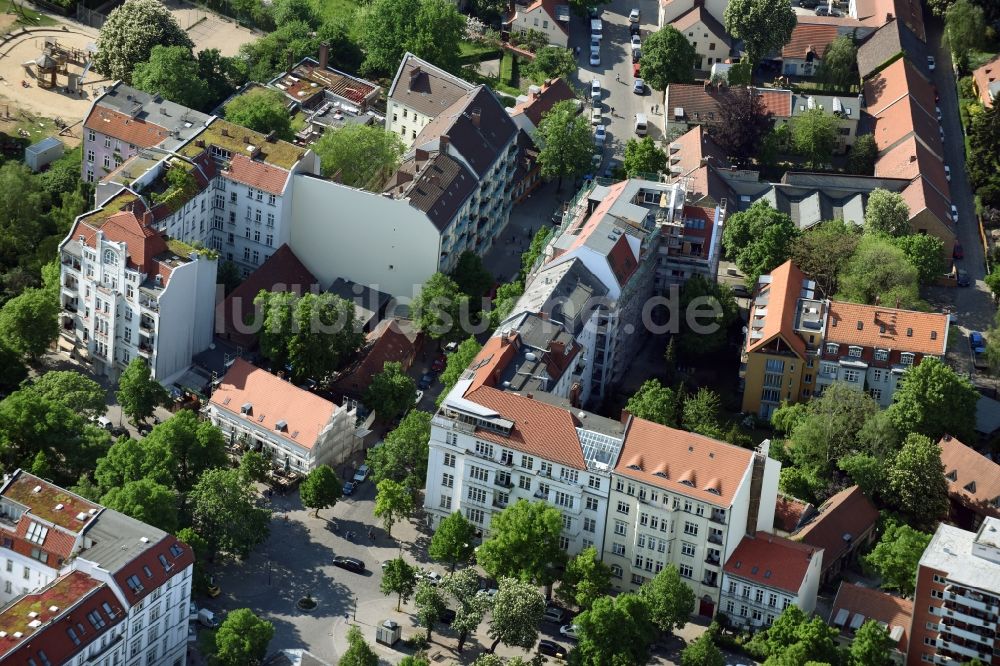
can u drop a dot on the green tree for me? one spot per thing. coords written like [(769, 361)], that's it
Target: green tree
[(552, 62), (453, 541), (192, 446), (72, 390), (524, 543), (837, 70), (430, 29), (430, 604), (457, 363), (228, 276), (764, 26), (992, 281), (926, 254), (703, 652), (225, 512), (616, 630), (403, 455), (654, 402), (145, 500), (504, 302), (222, 75), (463, 587), (667, 57), (864, 152), (814, 136), (437, 310), (138, 393), (865, 470), (744, 121), (242, 638), (670, 600), (398, 578), (872, 645), (917, 485), (535, 250), (822, 251), (830, 427), (879, 270), (566, 143), (887, 213), (964, 30), (643, 156), (287, 11), (363, 156), (933, 400), (758, 239), (472, 277), (517, 610), (254, 466), (701, 413), (713, 311), (393, 502), (896, 556), (585, 580), (391, 391), (262, 110), (794, 640), (320, 489), (29, 322), (12, 368), (129, 35), (128, 460), (358, 652), (172, 71)]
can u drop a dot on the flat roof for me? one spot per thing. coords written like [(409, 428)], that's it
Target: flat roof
[(950, 550)]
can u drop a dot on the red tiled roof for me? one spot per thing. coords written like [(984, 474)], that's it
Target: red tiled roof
[(849, 513), (896, 81), (281, 272), (144, 243), (492, 359), (698, 14), (789, 513), (257, 174), (153, 567), (910, 159), (540, 429), (700, 101), (392, 340), (873, 605), (273, 399), (782, 303), (771, 561), (549, 7), (973, 479), (905, 117), (553, 92), (43, 618), (879, 12), (808, 37), (584, 231), (126, 128), (929, 329), (920, 195), (621, 259), (984, 76), (683, 462)]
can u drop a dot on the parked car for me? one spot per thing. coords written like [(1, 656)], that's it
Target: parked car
[(439, 364), (361, 474), (595, 44), (425, 381), (431, 577), (931, 63), (451, 348), (554, 614), (609, 171), (600, 135), (937, 110), (207, 618), (636, 42), (633, 16), (957, 252), (213, 588), (570, 631), (977, 342), (595, 89), (954, 213), (639, 87), (349, 563), (596, 116), (595, 58), (635, 69), (963, 278), (192, 632), (551, 649), (348, 488), (947, 172), (634, 29)]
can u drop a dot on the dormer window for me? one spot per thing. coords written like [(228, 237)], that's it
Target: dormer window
[(832, 348), (881, 354), (906, 358), (247, 408), (281, 426), (854, 352)]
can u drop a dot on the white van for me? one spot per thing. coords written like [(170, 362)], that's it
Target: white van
[(640, 124)]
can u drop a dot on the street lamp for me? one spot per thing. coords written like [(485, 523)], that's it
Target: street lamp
[(355, 608)]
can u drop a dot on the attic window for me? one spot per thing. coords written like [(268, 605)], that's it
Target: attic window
[(146, 570), (635, 467), (226, 401), (909, 332), (134, 584), (246, 408), (767, 574), (754, 570), (260, 419), (281, 426), (176, 550), (295, 434), (739, 564), (714, 491), (688, 483), (952, 475), (163, 560), (971, 486), (662, 475), (861, 325), (933, 335), (881, 329), (36, 533)]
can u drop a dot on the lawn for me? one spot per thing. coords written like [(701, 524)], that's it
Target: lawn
[(338, 10), (467, 48), (32, 18)]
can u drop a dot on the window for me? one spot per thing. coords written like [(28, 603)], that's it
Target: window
[(591, 504), (881, 354), (107, 161), (27, 573), (96, 619), (447, 480), (246, 254), (232, 197), (527, 462), (91, 135), (256, 257), (589, 525), (107, 142), (90, 156), (256, 236), (832, 348), (446, 502), (562, 499), (906, 358), (711, 46), (567, 522), (484, 449), (774, 365), (758, 596), (569, 475), (474, 516), (260, 195), (37, 532), (876, 394), (772, 600), (851, 375), (618, 548), (563, 543), (686, 571), (594, 482), (479, 473), (690, 528), (545, 469), (524, 482), (687, 549), (271, 199), (543, 491), (623, 507), (854, 352), (616, 571), (756, 615), (876, 375), (449, 460), (507, 457), (477, 495), (620, 527)]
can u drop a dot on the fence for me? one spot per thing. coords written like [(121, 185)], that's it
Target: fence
[(95, 17)]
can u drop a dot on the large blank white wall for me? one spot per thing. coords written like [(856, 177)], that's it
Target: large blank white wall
[(339, 231)]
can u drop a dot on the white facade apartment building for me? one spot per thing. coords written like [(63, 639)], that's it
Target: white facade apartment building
[(490, 448), (418, 93), (87, 586), (765, 575), (289, 425), (687, 500), (127, 291)]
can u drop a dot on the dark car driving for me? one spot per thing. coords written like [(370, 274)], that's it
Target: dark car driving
[(349, 563), (551, 649)]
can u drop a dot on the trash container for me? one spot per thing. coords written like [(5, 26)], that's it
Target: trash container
[(388, 632)]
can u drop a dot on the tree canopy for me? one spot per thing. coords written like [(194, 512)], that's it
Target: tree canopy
[(669, 599), (471, 606), (566, 143), (879, 271), (643, 156), (138, 393), (822, 251), (129, 35), (391, 392), (887, 213), (358, 652), (667, 57), (896, 556), (393, 502), (438, 309), (320, 489), (357, 155), (29, 322), (708, 310), (453, 541), (917, 485), (225, 512), (655, 402), (472, 277), (703, 652), (517, 610), (759, 239), (262, 110), (964, 29), (399, 578), (616, 630), (837, 69), (763, 25), (524, 543), (552, 62), (794, 638), (872, 645), (933, 400), (242, 638), (814, 136), (403, 454), (173, 72), (585, 580), (430, 29), (926, 255), (744, 121), (147, 501)]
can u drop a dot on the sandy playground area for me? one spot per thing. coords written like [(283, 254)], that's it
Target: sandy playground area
[(208, 30)]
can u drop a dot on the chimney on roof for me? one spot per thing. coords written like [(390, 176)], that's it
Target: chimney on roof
[(443, 142), (324, 54), (420, 155), (476, 116), (271, 137), (913, 158), (225, 131), (414, 74), (246, 139), (897, 302)]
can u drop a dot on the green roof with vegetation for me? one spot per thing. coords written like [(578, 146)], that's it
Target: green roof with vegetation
[(278, 153), (115, 204)]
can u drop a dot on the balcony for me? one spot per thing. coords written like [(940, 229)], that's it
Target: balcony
[(718, 517), (146, 324), (963, 650), (715, 538), (71, 264), (503, 483), (713, 560), (969, 617), (964, 633), (145, 350), (970, 600), (710, 581), (500, 505), (69, 306), (149, 304), (540, 495)]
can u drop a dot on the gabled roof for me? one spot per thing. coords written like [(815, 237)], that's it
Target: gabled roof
[(780, 297), (911, 158), (698, 14), (257, 174), (537, 105), (683, 462), (842, 520), (272, 400), (878, 12), (124, 127), (699, 102), (853, 601), (392, 340), (790, 513), (809, 38), (771, 561), (921, 195), (903, 118), (886, 43), (425, 88), (987, 78), (550, 9), (973, 479), (887, 328), (152, 567), (435, 183), (898, 80)]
